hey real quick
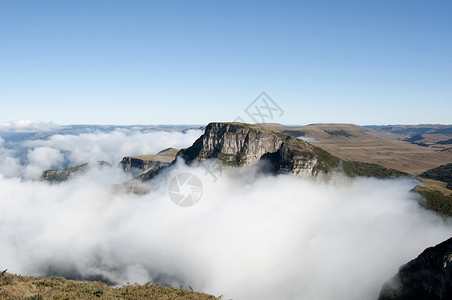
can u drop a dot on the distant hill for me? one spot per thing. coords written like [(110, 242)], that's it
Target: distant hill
[(411, 130), (435, 136), (408, 148)]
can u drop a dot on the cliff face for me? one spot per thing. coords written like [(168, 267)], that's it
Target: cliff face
[(152, 163), (429, 276), (60, 175), (238, 144)]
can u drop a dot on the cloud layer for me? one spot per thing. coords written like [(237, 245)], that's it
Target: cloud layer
[(28, 154), (251, 236), (28, 126)]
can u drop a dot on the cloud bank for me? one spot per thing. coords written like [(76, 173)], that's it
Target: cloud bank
[(251, 236), (28, 154), (28, 126)]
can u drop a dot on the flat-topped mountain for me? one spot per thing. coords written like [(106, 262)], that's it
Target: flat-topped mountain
[(239, 144)]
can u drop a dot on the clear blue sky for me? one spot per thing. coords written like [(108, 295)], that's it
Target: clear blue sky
[(151, 62)]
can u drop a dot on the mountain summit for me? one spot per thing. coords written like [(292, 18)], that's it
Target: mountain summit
[(239, 144)]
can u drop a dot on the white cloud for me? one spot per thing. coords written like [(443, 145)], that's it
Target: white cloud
[(73, 149), (250, 236), (45, 156), (9, 165), (307, 139), (113, 146), (27, 126), (42, 158)]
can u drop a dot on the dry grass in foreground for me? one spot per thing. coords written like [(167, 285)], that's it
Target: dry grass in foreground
[(16, 287)]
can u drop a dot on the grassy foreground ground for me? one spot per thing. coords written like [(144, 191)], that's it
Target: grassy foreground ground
[(16, 287)]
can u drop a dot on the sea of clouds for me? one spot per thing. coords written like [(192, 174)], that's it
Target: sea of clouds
[(251, 236)]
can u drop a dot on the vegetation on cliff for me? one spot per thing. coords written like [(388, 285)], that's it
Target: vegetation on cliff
[(441, 173), (356, 168), (436, 189)]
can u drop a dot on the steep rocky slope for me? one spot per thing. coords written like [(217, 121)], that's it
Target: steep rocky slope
[(140, 163), (429, 276), (239, 144)]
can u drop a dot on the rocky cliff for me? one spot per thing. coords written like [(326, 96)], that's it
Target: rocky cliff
[(239, 144), (59, 175), (429, 276), (141, 163)]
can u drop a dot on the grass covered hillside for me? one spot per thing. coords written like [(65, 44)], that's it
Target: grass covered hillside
[(442, 173), (436, 189), (356, 168), (16, 287)]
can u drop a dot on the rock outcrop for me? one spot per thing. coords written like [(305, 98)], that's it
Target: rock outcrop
[(429, 276), (239, 144), (60, 175), (143, 163)]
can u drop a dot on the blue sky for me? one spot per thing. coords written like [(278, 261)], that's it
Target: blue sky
[(192, 62)]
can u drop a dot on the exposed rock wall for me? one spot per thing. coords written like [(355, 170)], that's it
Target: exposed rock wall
[(238, 144), (429, 276), (60, 175), (151, 163)]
